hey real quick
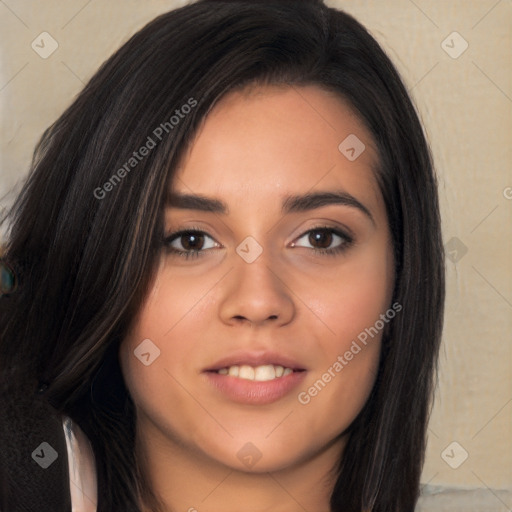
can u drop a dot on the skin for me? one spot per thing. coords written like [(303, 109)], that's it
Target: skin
[(256, 147)]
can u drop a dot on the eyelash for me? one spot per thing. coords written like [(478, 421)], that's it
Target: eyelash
[(347, 242)]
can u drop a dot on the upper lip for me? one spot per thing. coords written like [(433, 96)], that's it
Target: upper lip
[(255, 358)]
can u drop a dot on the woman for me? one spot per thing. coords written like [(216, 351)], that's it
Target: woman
[(229, 275)]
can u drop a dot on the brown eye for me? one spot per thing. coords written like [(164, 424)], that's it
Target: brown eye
[(321, 238), (192, 241)]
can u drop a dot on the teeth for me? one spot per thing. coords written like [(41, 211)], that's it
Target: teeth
[(266, 372), (246, 372), (259, 373)]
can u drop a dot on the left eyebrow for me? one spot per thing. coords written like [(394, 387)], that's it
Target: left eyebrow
[(313, 200), (291, 204)]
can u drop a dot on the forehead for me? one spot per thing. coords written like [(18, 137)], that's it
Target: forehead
[(268, 140)]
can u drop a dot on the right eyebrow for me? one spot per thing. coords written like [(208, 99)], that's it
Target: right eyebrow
[(196, 202)]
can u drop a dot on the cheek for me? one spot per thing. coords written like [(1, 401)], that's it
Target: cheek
[(159, 388), (158, 352), (353, 294), (174, 314), (350, 304)]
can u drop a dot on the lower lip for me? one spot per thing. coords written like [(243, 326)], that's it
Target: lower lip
[(246, 391)]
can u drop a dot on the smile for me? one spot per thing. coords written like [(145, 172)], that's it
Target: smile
[(256, 373)]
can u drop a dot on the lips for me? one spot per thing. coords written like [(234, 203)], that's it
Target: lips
[(255, 359), (255, 378)]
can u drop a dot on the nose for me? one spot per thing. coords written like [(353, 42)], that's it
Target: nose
[(256, 293)]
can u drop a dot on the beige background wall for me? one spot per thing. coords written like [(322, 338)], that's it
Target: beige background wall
[(465, 102)]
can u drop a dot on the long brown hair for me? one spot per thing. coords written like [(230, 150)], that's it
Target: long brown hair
[(84, 262)]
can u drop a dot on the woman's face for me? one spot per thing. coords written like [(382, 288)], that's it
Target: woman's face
[(259, 341)]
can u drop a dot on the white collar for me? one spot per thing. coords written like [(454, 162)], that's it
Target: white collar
[(82, 468)]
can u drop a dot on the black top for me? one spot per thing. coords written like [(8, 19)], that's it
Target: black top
[(34, 475)]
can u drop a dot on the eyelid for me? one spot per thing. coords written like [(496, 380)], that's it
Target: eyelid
[(347, 240), (335, 231), (174, 235), (326, 224)]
